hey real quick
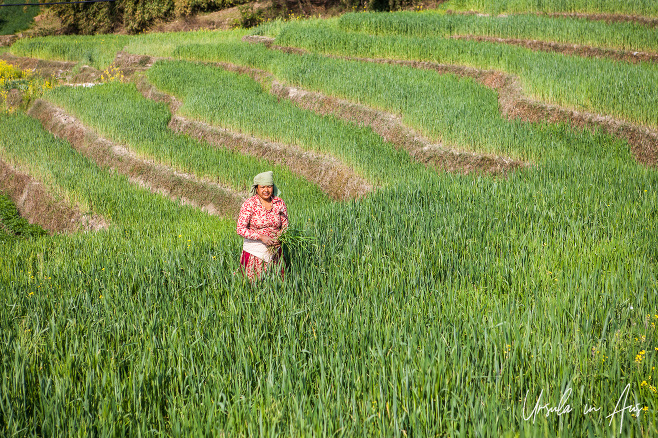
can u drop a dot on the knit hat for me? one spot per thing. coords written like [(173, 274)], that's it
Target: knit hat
[(265, 179)]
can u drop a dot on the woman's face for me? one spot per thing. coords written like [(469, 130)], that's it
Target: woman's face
[(264, 192)]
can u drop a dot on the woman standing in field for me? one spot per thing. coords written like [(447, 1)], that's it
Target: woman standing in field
[(263, 218)]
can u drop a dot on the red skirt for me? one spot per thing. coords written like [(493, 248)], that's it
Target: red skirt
[(254, 268)]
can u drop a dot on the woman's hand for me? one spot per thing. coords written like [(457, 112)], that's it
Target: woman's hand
[(269, 241)]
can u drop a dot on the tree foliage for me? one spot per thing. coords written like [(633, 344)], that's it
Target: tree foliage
[(133, 15)]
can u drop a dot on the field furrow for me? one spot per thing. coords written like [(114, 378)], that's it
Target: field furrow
[(391, 128), (239, 104), (336, 179), (34, 202), (607, 18), (184, 187), (567, 49), (514, 105)]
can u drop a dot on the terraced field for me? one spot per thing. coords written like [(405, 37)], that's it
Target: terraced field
[(480, 191)]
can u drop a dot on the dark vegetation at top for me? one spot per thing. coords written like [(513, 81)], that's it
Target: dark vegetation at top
[(134, 16), (131, 15), (16, 18)]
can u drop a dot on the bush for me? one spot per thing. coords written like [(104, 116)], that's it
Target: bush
[(13, 225), (133, 15), (378, 5), (16, 18), (249, 17)]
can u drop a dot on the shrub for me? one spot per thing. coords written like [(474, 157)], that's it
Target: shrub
[(133, 15)]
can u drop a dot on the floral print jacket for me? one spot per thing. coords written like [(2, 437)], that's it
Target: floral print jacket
[(254, 219)]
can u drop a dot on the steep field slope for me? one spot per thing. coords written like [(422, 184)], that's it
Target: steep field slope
[(474, 197)]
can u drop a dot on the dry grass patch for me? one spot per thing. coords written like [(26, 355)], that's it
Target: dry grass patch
[(45, 69), (7, 40)]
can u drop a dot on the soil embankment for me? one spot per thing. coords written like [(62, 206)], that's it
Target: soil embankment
[(336, 179), (513, 104), (634, 57), (608, 18), (185, 188), (37, 206), (59, 70)]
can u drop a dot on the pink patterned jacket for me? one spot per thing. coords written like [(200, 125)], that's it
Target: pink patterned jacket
[(254, 219)]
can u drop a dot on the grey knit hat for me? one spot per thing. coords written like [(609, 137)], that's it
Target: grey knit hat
[(265, 179)]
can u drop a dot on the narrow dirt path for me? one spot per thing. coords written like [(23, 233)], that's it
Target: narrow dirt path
[(37, 206), (567, 49), (513, 104), (608, 18), (336, 179), (178, 186)]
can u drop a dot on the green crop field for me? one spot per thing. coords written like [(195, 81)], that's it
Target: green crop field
[(628, 36), (437, 301)]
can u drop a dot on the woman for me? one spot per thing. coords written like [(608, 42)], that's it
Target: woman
[(263, 218)]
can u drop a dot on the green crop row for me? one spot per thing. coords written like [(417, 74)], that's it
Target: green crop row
[(433, 306), (12, 225), (589, 84), (95, 51), (100, 50), (563, 30), (635, 7), (239, 103), (163, 44), (434, 298), (120, 113)]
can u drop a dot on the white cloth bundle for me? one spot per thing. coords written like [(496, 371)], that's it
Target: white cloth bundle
[(257, 249)]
